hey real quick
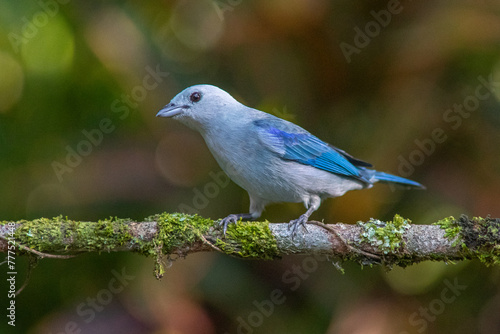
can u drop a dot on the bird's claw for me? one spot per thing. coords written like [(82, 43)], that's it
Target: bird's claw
[(294, 224), (224, 222)]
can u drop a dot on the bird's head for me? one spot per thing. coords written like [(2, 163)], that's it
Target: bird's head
[(199, 106)]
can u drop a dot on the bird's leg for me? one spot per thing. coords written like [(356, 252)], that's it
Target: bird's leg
[(233, 219), (294, 224), (301, 221)]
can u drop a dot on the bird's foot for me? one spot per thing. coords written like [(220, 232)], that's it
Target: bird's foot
[(294, 224), (233, 219)]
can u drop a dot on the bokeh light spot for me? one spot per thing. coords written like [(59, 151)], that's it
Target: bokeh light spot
[(196, 24), (116, 40), (51, 49)]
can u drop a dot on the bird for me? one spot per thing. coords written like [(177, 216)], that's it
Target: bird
[(274, 160)]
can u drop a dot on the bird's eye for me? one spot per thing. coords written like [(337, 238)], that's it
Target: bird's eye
[(195, 97)]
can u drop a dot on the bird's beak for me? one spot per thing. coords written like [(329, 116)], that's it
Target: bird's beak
[(170, 110)]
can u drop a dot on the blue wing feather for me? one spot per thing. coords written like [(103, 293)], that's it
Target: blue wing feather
[(292, 142)]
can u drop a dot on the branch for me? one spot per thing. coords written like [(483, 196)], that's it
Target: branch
[(396, 242)]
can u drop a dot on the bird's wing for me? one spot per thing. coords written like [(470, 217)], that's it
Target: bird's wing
[(291, 142), (353, 160)]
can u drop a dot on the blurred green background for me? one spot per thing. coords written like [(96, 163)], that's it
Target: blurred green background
[(412, 87)]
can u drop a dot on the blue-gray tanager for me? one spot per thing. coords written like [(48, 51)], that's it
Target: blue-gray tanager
[(272, 159)]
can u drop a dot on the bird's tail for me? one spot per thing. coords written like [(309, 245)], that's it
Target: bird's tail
[(389, 178)]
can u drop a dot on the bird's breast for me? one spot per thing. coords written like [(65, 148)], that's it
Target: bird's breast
[(254, 168)]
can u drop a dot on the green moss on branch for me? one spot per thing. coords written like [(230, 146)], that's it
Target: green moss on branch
[(250, 240), (58, 233), (477, 237)]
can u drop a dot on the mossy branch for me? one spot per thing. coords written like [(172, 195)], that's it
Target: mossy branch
[(396, 242)]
